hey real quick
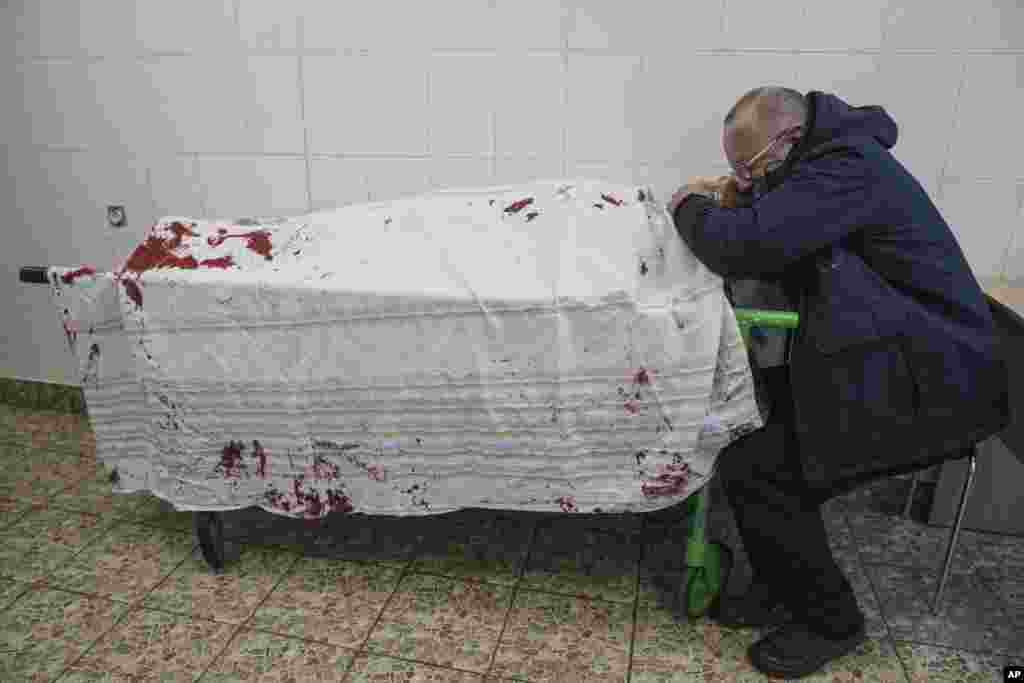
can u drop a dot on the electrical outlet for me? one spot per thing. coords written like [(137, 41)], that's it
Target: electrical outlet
[(116, 216)]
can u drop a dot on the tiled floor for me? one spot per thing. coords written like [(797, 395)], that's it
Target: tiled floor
[(102, 588)]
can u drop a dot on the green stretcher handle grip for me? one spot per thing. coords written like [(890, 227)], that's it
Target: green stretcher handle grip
[(753, 317)]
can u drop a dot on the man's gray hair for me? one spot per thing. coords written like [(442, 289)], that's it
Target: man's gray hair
[(771, 103)]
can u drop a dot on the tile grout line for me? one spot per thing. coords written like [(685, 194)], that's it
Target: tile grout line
[(515, 594), (244, 622)]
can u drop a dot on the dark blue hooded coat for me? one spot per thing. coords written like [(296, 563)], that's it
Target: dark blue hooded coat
[(896, 364)]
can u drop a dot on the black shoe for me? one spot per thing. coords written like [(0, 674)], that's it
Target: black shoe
[(794, 651), (757, 608)]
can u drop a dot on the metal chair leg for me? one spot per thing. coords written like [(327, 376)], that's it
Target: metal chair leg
[(955, 532), (910, 496)]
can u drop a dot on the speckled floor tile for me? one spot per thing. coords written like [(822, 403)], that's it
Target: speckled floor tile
[(669, 647), (442, 621), (480, 546), (10, 590), (906, 543), (125, 563), (331, 601), (40, 474), (44, 539), (1011, 592), (149, 645), (253, 655), (383, 669), (12, 449), (994, 556), (11, 510), (49, 629), (54, 430), (931, 664), (972, 617), (193, 590), (93, 493), (559, 638), (575, 556)]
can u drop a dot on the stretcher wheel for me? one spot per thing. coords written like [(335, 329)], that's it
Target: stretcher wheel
[(209, 528), (705, 585)]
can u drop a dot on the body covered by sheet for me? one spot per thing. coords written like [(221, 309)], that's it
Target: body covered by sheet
[(551, 346)]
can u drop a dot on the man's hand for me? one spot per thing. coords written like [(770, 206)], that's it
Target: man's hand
[(702, 184)]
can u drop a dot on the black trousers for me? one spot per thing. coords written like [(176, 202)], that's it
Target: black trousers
[(780, 521)]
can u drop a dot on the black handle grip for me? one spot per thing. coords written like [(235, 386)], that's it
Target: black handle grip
[(36, 275)]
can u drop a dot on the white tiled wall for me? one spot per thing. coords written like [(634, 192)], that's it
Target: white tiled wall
[(235, 107)]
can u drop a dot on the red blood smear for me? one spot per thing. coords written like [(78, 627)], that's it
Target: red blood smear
[(221, 262), (261, 456), (68, 278), (611, 200), (516, 207), (642, 377), (567, 503), (671, 481), (132, 289), (158, 252), (258, 241), (71, 333), (338, 502), (631, 407), (314, 507), (231, 459)]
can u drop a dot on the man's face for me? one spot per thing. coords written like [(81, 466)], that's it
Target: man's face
[(735, 152)]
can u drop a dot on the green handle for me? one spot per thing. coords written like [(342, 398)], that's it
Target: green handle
[(752, 317)]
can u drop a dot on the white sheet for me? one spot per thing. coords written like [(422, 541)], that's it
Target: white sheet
[(551, 346)]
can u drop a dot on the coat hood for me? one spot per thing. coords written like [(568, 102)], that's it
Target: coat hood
[(831, 118)]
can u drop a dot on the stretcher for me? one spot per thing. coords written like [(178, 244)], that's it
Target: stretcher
[(565, 352)]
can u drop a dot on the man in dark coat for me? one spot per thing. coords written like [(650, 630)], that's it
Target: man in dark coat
[(895, 366)]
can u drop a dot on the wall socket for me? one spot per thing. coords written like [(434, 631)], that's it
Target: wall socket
[(116, 216)]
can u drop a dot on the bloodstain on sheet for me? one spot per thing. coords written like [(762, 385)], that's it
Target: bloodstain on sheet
[(258, 241), (70, 331), (220, 262), (324, 469), (516, 207), (133, 291), (641, 377), (231, 464), (312, 506), (671, 481), (161, 252), (261, 459), (69, 278), (632, 407), (611, 200), (567, 503)]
